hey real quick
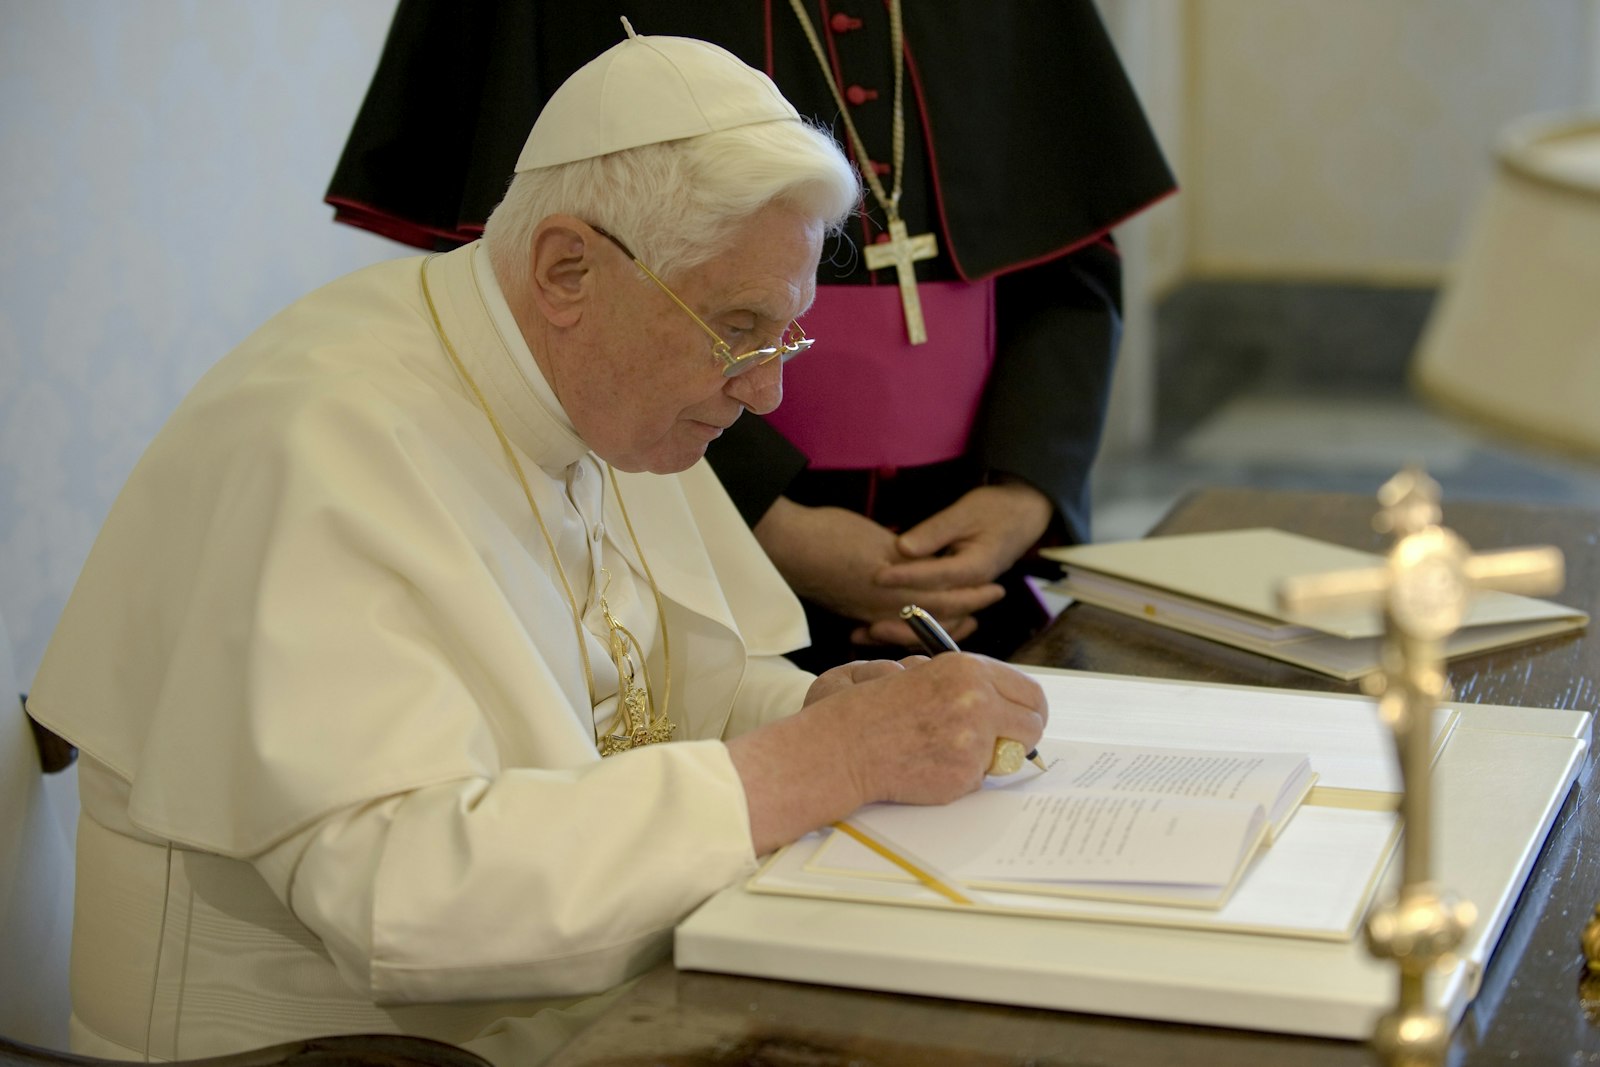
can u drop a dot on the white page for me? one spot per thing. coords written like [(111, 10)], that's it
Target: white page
[(1000, 835), (1349, 745), (1005, 839), (1257, 777), (1104, 837)]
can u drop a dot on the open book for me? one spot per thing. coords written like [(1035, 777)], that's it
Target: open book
[(1222, 586), (1313, 882), (1105, 821)]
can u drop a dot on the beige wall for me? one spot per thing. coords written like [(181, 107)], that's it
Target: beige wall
[(1348, 138), (1341, 140), (1151, 37)]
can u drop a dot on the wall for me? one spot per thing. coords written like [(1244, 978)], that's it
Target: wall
[(1348, 140), (1319, 142), (1152, 40), (164, 166)]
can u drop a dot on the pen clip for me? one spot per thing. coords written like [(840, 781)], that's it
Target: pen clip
[(933, 636)]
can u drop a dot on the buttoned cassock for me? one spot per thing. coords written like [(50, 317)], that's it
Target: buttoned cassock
[(339, 759)]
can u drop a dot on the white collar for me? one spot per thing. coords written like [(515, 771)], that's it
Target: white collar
[(508, 373)]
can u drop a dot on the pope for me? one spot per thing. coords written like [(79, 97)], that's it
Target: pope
[(424, 675)]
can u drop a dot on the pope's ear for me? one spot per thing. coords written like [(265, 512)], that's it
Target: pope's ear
[(560, 268)]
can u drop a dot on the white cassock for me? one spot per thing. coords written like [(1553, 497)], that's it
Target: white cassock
[(339, 764)]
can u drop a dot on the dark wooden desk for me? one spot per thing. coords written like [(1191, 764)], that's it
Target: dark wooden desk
[(1529, 1010)]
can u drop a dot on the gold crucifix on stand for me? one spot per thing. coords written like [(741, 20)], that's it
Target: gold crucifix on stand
[(901, 252), (1424, 591)]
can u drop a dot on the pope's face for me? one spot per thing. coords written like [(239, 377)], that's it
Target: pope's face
[(652, 397)]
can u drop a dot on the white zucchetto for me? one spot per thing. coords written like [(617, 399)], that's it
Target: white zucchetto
[(646, 90)]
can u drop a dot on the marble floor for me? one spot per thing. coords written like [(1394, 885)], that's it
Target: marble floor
[(1344, 443)]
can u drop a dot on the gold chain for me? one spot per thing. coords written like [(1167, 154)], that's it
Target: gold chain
[(656, 728), (890, 201)]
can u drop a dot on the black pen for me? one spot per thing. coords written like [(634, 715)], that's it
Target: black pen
[(935, 640)]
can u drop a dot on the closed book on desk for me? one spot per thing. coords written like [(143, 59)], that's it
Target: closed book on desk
[(1223, 586), (1271, 958)]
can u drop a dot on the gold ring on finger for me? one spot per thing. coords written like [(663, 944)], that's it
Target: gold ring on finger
[(1008, 757)]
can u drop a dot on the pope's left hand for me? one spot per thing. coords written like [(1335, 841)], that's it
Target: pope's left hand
[(973, 541)]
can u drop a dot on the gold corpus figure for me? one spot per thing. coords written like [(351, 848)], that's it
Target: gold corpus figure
[(636, 722), (1424, 590)]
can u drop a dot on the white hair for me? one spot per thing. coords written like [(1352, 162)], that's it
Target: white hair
[(674, 203)]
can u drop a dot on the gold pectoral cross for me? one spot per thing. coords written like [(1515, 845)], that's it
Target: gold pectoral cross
[(636, 721), (901, 251), (636, 727)]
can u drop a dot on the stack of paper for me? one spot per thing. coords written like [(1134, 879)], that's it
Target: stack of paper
[(1223, 586)]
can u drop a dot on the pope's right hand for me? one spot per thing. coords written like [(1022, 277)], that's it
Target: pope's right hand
[(920, 732), (927, 734)]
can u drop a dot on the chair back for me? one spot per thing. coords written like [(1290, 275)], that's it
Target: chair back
[(36, 881), (36, 884)]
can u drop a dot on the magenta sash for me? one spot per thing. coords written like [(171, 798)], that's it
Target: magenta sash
[(864, 397)]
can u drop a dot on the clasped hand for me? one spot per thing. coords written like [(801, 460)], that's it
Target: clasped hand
[(947, 563)]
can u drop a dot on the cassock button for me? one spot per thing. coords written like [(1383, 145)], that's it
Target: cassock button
[(882, 239), (880, 169), (859, 95), (842, 23)]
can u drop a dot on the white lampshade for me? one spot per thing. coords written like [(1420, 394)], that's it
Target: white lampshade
[(1514, 339)]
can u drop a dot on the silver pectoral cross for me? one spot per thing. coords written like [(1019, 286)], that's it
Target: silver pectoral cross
[(901, 251)]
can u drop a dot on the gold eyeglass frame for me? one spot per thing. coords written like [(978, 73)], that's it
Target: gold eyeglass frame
[(721, 351)]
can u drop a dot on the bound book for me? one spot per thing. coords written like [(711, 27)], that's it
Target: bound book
[(1223, 587), (1297, 856), (1103, 821)]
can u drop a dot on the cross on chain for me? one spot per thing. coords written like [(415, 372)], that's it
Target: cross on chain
[(901, 251), (636, 728), (1424, 590)]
